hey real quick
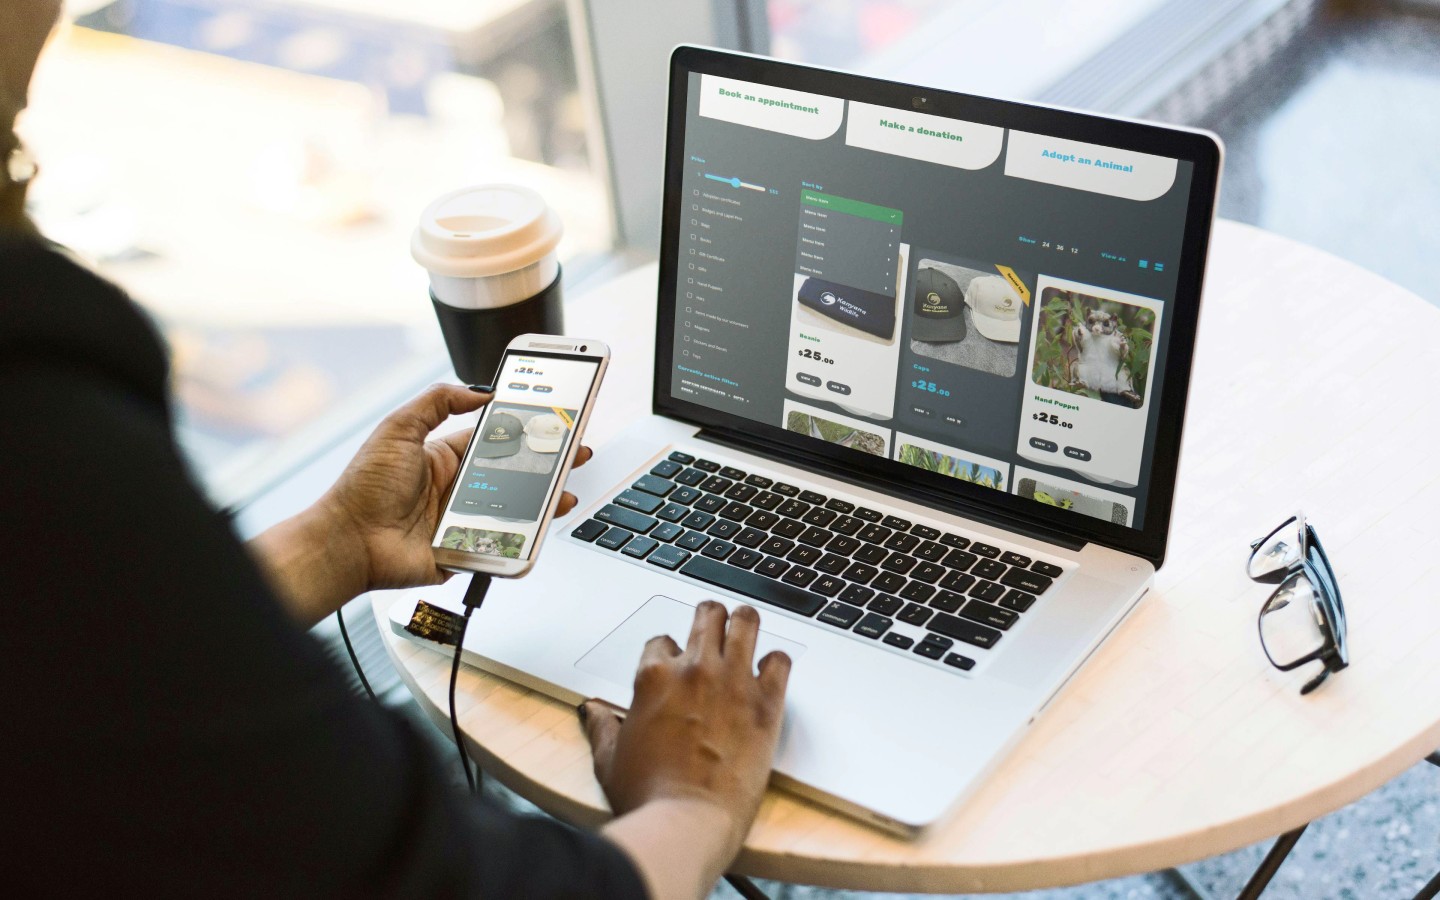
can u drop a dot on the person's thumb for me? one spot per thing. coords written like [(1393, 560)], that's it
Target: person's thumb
[(602, 728)]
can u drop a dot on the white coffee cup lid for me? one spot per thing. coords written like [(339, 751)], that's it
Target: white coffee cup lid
[(489, 229)]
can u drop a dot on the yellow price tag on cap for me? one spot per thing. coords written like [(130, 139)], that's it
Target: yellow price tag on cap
[(565, 416)]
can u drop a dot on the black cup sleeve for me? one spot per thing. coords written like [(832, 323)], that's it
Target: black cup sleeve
[(476, 338)]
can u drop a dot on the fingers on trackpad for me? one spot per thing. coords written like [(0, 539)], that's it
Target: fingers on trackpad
[(614, 658)]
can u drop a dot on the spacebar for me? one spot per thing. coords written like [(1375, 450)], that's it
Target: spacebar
[(757, 587)]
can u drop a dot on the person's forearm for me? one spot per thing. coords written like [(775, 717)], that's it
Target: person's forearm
[(681, 847), (314, 565)]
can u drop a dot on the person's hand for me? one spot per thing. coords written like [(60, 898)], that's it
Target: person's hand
[(702, 726), (373, 528), (391, 496)]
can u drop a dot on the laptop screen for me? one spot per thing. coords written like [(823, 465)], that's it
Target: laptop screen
[(989, 304)]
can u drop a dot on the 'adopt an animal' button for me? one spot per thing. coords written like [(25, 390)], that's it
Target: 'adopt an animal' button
[(1042, 444), (1077, 453)]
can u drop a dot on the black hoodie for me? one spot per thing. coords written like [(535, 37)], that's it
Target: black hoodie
[(168, 730)]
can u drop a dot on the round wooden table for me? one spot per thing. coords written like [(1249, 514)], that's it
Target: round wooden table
[(1178, 740)]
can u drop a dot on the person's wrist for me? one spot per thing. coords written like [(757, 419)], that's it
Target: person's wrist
[(680, 844), (331, 526), (706, 814), (712, 813), (312, 563)]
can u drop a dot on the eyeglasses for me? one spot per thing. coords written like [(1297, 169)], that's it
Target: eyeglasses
[(1304, 620)]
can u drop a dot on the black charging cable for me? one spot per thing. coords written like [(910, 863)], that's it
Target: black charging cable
[(474, 596), (354, 660)]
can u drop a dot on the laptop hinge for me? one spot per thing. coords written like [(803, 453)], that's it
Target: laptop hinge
[(953, 506)]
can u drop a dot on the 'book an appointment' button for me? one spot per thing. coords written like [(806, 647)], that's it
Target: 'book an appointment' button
[(1077, 453), (837, 387), (1042, 444)]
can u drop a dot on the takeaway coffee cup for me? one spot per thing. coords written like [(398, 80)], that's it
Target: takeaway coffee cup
[(490, 252)]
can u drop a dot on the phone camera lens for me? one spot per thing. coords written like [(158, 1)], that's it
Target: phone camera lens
[(584, 347), (919, 102)]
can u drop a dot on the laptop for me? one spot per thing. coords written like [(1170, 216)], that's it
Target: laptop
[(920, 374)]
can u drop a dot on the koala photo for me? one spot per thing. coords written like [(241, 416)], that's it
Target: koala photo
[(1103, 349), (1093, 346)]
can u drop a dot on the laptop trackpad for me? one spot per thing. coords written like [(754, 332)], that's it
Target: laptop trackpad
[(616, 657)]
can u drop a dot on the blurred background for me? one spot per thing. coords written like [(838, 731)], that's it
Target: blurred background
[(251, 169)]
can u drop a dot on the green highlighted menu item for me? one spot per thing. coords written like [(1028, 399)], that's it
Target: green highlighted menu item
[(852, 207)]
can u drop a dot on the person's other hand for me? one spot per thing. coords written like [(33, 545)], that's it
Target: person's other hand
[(392, 494), (702, 726)]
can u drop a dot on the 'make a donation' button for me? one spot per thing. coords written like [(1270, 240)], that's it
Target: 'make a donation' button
[(804, 378), (1077, 453), (837, 387), (1042, 444)]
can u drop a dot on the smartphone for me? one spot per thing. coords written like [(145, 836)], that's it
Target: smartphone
[(513, 473)]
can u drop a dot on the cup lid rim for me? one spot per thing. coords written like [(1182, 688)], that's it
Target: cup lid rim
[(489, 252)]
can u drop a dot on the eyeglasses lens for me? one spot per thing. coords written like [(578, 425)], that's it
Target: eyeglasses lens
[(1277, 552), (1291, 626)]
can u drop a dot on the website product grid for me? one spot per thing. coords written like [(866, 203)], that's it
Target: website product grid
[(971, 300)]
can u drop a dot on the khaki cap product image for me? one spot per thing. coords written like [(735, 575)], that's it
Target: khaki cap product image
[(995, 308), (545, 433)]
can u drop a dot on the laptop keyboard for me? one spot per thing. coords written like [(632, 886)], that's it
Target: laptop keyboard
[(847, 566)]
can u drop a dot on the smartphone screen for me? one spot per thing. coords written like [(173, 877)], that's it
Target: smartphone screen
[(513, 464)]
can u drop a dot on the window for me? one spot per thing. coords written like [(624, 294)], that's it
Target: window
[(990, 47), (250, 172)]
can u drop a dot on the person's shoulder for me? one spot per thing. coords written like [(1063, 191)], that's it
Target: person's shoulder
[(57, 312)]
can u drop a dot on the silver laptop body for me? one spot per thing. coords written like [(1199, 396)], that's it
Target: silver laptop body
[(874, 727)]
